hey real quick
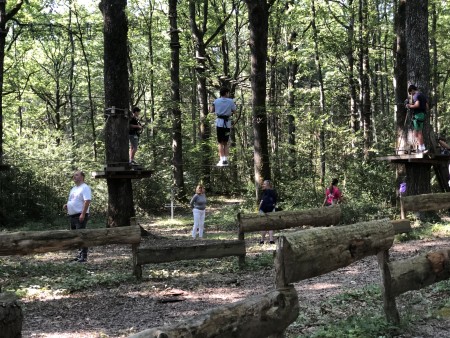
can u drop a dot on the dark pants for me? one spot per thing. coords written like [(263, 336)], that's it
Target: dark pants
[(75, 224)]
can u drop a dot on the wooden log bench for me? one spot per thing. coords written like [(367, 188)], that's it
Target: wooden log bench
[(28, 242), (410, 274), (185, 251), (424, 202), (266, 315)]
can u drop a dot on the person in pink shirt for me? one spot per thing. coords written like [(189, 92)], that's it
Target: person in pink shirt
[(332, 194)]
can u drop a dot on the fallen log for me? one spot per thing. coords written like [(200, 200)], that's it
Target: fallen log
[(27, 242), (313, 252), (261, 316), (426, 202), (418, 272), (289, 219)]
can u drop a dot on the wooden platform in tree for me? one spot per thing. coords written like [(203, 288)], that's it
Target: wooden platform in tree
[(122, 170), (416, 158)]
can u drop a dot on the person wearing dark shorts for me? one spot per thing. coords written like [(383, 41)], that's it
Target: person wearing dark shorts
[(223, 107)]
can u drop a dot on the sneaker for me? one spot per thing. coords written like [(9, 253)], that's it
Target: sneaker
[(272, 242), (220, 163), (225, 163), (261, 242)]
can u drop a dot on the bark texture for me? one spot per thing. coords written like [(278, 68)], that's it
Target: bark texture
[(313, 252), (417, 272), (426, 202), (289, 219), (27, 242), (267, 315), (115, 29)]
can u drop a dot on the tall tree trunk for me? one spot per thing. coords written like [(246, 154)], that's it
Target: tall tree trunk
[(435, 76), (322, 105), (292, 73), (115, 29), (364, 81), (418, 62), (200, 55), (258, 15), (4, 18), (177, 140)]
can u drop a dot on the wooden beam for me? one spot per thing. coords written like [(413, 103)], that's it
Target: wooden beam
[(426, 202), (27, 242), (196, 250), (313, 252), (262, 316), (401, 226), (289, 219), (417, 272)]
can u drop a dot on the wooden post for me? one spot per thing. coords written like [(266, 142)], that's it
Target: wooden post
[(11, 316), (137, 268), (390, 307), (241, 237)]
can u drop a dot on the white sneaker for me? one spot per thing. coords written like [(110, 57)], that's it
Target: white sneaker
[(220, 163)]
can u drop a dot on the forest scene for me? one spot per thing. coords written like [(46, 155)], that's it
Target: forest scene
[(320, 88)]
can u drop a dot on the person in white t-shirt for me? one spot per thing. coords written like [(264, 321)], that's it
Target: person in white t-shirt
[(223, 107), (77, 208)]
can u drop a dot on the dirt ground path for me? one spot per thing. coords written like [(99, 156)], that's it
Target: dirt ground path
[(168, 294)]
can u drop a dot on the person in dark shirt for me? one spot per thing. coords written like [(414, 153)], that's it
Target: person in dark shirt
[(267, 204), (419, 108), (134, 132)]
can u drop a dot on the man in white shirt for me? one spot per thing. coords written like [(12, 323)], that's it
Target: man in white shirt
[(77, 208), (224, 107)]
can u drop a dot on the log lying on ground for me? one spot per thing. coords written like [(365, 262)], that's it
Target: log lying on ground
[(289, 219), (195, 250), (26, 242), (417, 272), (426, 202), (313, 252), (261, 316)]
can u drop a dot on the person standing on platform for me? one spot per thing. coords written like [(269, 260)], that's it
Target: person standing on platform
[(198, 205), (419, 108), (133, 134), (267, 204), (223, 107), (77, 208), (332, 194)]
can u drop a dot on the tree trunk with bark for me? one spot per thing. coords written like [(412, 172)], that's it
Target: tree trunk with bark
[(418, 176), (258, 15), (177, 139), (115, 28)]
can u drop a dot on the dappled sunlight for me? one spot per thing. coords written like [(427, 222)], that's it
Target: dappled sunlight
[(322, 286)]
